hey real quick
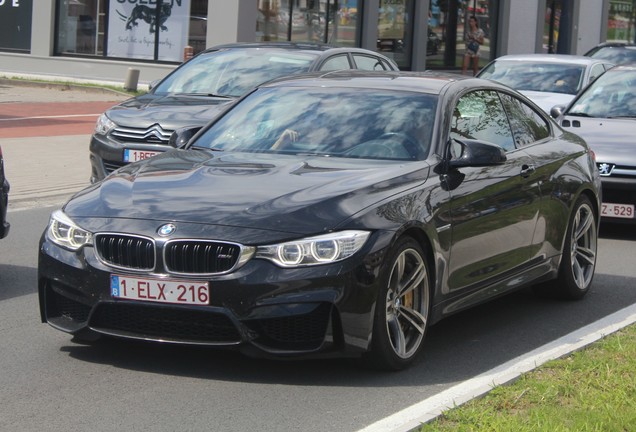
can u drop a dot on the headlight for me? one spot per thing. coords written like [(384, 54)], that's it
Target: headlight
[(64, 232), (104, 125), (323, 249)]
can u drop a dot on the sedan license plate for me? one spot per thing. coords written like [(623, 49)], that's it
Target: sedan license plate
[(625, 211), (159, 290), (131, 155)]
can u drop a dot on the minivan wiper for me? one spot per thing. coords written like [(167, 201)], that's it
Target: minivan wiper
[(578, 114), (623, 116), (209, 95)]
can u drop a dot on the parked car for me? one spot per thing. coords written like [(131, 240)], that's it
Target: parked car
[(4, 199), (379, 204), (547, 79), (194, 92), (615, 52), (605, 116)]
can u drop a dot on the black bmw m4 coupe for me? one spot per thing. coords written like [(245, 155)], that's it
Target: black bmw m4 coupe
[(336, 214)]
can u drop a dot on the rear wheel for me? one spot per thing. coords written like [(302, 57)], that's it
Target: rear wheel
[(402, 308), (579, 255)]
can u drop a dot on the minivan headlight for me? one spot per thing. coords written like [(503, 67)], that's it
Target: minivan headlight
[(323, 249), (64, 232), (104, 125)]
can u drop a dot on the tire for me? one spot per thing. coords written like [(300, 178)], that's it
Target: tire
[(402, 308), (578, 260)]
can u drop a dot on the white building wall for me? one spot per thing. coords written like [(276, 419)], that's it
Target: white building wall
[(588, 26), (519, 27), (231, 21)]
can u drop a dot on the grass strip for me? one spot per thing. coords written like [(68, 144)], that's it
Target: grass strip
[(593, 389)]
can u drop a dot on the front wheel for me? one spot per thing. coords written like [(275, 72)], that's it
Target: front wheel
[(402, 308), (578, 261)]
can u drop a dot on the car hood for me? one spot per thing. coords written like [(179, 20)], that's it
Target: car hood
[(612, 140), (170, 111), (299, 194), (547, 100)]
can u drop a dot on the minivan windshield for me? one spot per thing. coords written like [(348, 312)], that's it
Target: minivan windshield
[(233, 72)]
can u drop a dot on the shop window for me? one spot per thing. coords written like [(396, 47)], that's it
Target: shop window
[(130, 29), (333, 22), (621, 24), (395, 30), (449, 23)]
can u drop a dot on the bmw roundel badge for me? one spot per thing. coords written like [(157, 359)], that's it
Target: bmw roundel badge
[(166, 229)]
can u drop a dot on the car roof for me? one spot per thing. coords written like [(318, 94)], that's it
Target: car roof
[(314, 48), (300, 46), (552, 58), (423, 82)]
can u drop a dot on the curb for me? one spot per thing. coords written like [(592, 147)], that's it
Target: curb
[(411, 418), (62, 86)]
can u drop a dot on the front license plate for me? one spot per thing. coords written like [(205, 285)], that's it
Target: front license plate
[(625, 211), (160, 290), (131, 155)]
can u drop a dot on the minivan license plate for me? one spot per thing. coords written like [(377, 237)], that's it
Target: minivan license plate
[(159, 290), (131, 155)]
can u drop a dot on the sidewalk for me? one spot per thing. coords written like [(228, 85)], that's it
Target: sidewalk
[(47, 170)]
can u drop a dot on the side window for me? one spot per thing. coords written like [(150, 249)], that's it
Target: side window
[(369, 63), (597, 71), (480, 115), (337, 62), (527, 125)]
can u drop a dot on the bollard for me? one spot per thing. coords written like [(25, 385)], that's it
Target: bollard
[(132, 78), (188, 53)]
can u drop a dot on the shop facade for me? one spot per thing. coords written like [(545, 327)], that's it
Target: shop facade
[(103, 39)]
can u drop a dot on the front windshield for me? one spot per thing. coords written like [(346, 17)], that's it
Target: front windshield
[(616, 55), (536, 76), (339, 122), (611, 95), (233, 72)]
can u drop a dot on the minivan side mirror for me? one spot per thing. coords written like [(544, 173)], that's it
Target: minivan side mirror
[(181, 136)]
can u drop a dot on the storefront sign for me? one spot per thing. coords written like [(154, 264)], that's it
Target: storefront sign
[(133, 25)]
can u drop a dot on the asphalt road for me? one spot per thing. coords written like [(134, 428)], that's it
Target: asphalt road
[(47, 382)]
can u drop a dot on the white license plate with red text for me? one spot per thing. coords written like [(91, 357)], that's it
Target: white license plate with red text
[(625, 211), (131, 155), (159, 290)]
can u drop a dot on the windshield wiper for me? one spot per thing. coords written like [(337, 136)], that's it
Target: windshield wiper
[(578, 114), (623, 116), (209, 95), (216, 149)]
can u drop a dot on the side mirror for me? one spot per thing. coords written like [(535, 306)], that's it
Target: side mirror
[(473, 153), (557, 111), (181, 136)]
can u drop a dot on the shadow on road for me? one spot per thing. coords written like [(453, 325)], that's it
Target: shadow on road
[(456, 349)]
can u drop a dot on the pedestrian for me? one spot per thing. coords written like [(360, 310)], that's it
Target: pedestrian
[(474, 40)]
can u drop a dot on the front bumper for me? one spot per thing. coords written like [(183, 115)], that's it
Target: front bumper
[(260, 309)]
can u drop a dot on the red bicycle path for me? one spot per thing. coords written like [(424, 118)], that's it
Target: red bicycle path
[(33, 119)]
